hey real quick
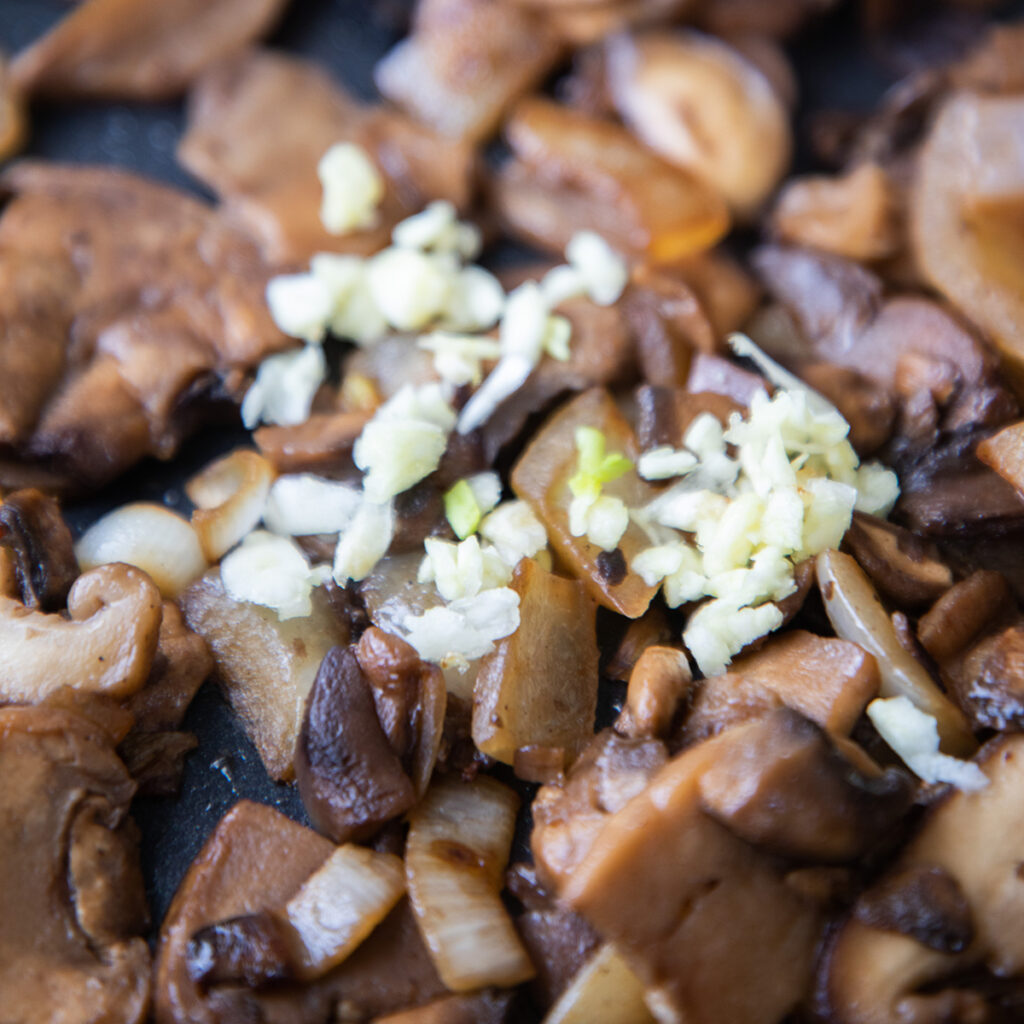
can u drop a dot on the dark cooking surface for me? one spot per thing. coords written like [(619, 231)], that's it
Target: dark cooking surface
[(347, 36)]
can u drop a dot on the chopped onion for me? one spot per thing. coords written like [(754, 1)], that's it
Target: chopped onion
[(230, 494), (856, 614), (458, 846), (150, 537), (603, 989), (342, 902)]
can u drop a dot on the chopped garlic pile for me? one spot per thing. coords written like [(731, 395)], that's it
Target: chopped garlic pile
[(752, 500), (601, 518), (352, 188), (914, 735), (284, 388)]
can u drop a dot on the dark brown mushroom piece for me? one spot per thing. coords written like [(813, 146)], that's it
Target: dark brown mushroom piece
[(869, 409), (253, 950), (34, 534), (720, 376), (658, 685), (322, 444), (156, 760), (255, 860), (663, 415), (110, 49), (149, 304), (72, 905), (350, 779), (895, 957)]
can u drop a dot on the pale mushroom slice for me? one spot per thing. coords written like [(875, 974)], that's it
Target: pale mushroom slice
[(882, 968), (106, 646), (119, 49)]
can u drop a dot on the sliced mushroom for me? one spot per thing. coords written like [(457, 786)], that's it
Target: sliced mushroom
[(962, 612), (110, 49), (703, 105), (539, 686), (663, 415), (658, 684), (881, 967), (39, 542), (71, 896), (322, 444), (573, 172), (265, 666), (106, 647)]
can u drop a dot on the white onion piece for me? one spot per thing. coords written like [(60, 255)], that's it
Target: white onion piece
[(342, 902), (455, 857), (603, 989), (857, 614), (150, 537), (230, 494)]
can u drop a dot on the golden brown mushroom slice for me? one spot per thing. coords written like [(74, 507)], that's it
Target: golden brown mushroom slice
[(966, 213), (903, 966), (105, 646), (71, 896), (465, 62), (119, 49), (572, 171)]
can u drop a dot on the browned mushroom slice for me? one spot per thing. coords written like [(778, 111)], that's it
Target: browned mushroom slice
[(1004, 452), (258, 859), (652, 628), (967, 199), (726, 289), (706, 922), (465, 62), (854, 215), (71, 897), (244, 141), (830, 681), (539, 686), (350, 779), (658, 684), (903, 966), (44, 564), (782, 784), (962, 613), (541, 477), (868, 408), (117, 49), (720, 376), (573, 172), (265, 666), (663, 415), (13, 123)]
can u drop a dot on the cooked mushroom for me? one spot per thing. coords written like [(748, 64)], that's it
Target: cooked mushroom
[(12, 114), (658, 684), (664, 414), (107, 645), (539, 686), (110, 49), (703, 105), (1004, 452), (39, 542), (265, 666), (881, 967), (71, 895)]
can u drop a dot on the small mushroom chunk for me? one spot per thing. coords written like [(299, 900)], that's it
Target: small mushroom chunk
[(107, 645), (962, 612), (71, 895), (38, 540), (781, 784), (869, 409), (1004, 452), (571, 171), (651, 629), (704, 106), (657, 686), (265, 666), (252, 949), (539, 685), (889, 961), (828, 680), (906, 569), (854, 215), (350, 779), (706, 922), (663, 414)]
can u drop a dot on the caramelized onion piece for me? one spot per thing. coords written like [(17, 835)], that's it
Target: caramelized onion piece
[(120, 49), (704, 106), (604, 989), (229, 494), (857, 614), (149, 536), (106, 647), (573, 172), (459, 839)]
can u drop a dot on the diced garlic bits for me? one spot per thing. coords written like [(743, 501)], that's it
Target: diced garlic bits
[(665, 462), (464, 569), (364, 541), (284, 388), (459, 358), (353, 188), (301, 305), (914, 735), (515, 531), (465, 629), (437, 228), (409, 287), (272, 571), (602, 269), (404, 441), (353, 313), (602, 518), (466, 502), (301, 504)]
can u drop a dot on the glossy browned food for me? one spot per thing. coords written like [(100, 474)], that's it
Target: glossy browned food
[(658, 685), (350, 779), (13, 127), (148, 302), (573, 172), (1004, 452), (38, 543), (486, 1007), (244, 141), (71, 897), (539, 685), (464, 62), (119, 49), (253, 949)]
